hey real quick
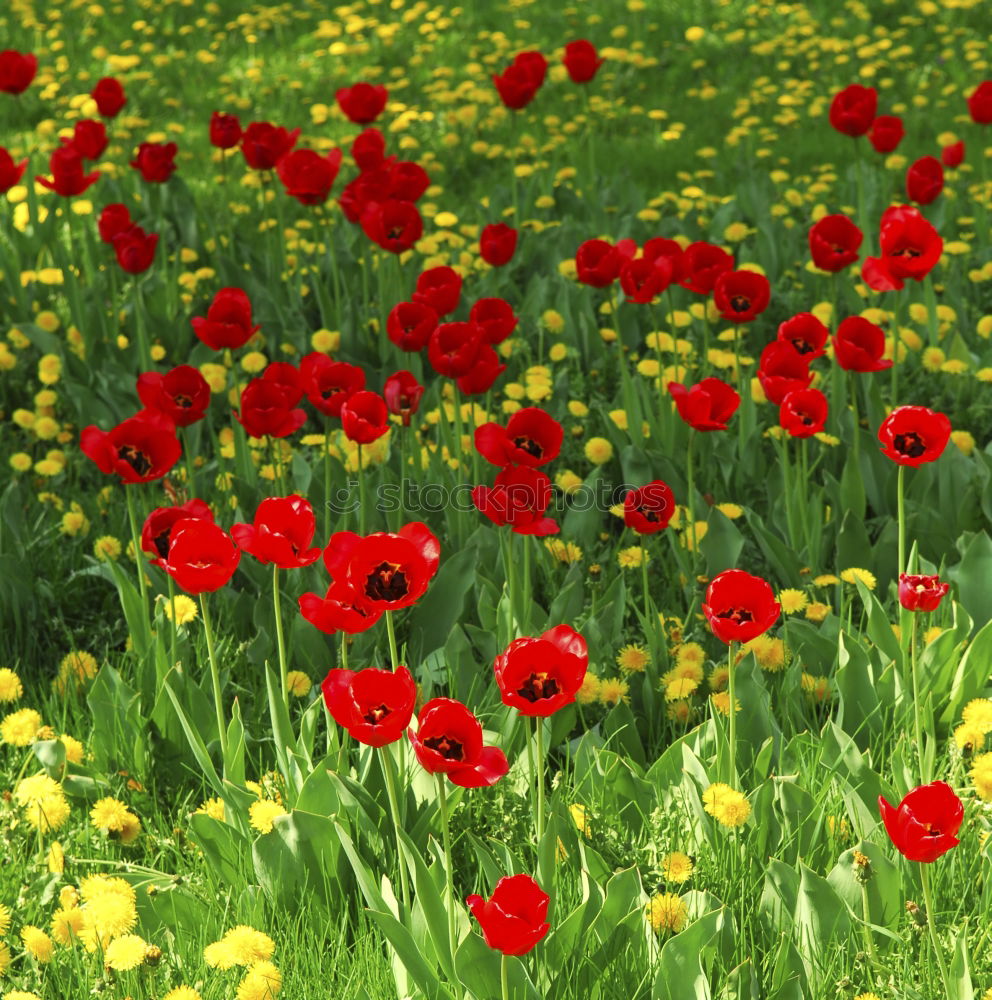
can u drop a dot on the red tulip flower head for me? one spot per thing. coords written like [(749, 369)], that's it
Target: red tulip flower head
[(182, 394), (362, 103), (886, 133), (156, 532), (910, 248), (741, 295), (329, 384), (135, 249), (649, 508), (10, 172), (852, 111), (702, 264), (497, 244), (739, 607), (369, 149), (448, 741), (113, 220), (834, 243), (513, 918), (531, 437), (453, 348), (307, 176), (519, 499), (598, 263), (539, 675), (803, 412), (228, 321), (402, 393), (89, 138), (364, 417), (392, 224), (156, 161), (202, 558), (913, 435), (643, 279), (921, 593), (374, 705), (952, 156), (980, 103), (17, 70), (925, 824), (337, 611), (263, 144), (68, 179), (805, 334), (267, 410), (516, 86), (782, 369), (485, 371), (225, 130), (924, 180), (109, 96), (495, 318), (440, 288), (706, 406), (281, 534), (141, 449), (859, 346), (581, 60), (409, 325), (385, 571)]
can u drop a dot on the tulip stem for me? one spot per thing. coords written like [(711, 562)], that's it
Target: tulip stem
[(525, 595), (362, 518), (136, 541), (644, 582), (504, 976), (917, 725), (327, 480), (690, 528), (732, 737), (280, 641), (388, 770), (394, 656), (901, 509), (539, 779), (188, 455), (214, 674), (442, 795), (856, 419), (869, 937), (928, 904), (172, 619)]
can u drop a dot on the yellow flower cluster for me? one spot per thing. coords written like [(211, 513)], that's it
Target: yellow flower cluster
[(243, 945), (113, 818), (729, 807)]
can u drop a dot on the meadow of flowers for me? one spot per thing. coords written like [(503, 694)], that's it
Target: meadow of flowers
[(495, 500)]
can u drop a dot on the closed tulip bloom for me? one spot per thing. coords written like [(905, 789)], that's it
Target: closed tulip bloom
[(281, 534), (706, 406), (834, 243), (497, 244), (886, 133), (782, 369), (402, 393), (924, 825), (369, 149), (135, 249), (156, 533), (225, 130), (581, 60), (598, 263), (486, 369), (648, 509), (202, 557), (739, 607), (307, 176), (519, 499), (852, 111), (539, 675), (182, 394), (89, 137), (702, 264), (365, 417), (113, 220), (921, 593), (375, 706), (109, 96), (859, 345), (156, 161), (495, 318), (17, 70), (952, 156), (448, 741), (515, 86), (362, 103), (513, 918), (453, 348), (925, 180), (264, 144), (803, 412), (913, 435), (440, 288), (980, 103), (228, 320), (267, 410)]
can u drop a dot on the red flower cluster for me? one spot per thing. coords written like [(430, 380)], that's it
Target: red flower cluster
[(519, 83)]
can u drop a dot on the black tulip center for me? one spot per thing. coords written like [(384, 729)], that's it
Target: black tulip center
[(910, 444), (374, 716), (387, 582), (538, 686), (740, 303), (738, 615), (183, 401), (161, 542), (528, 445), (448, 748), (136, 458)]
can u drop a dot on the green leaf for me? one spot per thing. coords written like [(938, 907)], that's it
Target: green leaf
[(282, 735), (225, 850), (686, 958), (884, 888), (118, 740), (821, 915), (409, 955), (439, 609), (971, 675), (478, 970), (972, 575), (960, 984), (721, 545)]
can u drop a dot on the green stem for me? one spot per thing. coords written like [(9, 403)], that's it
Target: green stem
[(504, 976), (732, 769), (327, 480), (136, 541), (511, 583), (917, 723), (442, 795), (526, 588), (389, 772), (856, 441), (644, 583), (280, 641), (539, 777), (394, 655), (691, 509), (869, 937), (901, 508), (362, 517), (172, 619), (190, 467), (928, 904), (214, 674)]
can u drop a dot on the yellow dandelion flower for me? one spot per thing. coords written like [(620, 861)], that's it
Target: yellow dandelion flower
[(107, 815), (298, 684), (964, 441), (598, 450), (212, 807), (182, 993), (730, 510), (242, 945), (125, 953), (613, 690), (74, 749), (20, 728), (853, 574), (667, 913), (677, 867), (633, 658), (130, 829), (978, 713), (867, 996), (632, 557), (826, 580), (37, 943), (4, 920), (55, 859), (817, 611), (679, 711), (981, 776), (770, 654), (580, 817), (588, 693), (67, 924), (726, 805), (969, 737), (680, 688), (182, 609), (79, 665), (932, 358), (793, 601), (262, 813), (262, 982), (10, 685)]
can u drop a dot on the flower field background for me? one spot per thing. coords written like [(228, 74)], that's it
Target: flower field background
[(496, 500)]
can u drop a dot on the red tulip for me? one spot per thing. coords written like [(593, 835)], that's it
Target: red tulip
[(741, 295), (225, 130), (202, 558), (364, 417), (643, 279), (182, 394), (307, 176), (17, 70), (448, 741), (362, 103), (805, 334), (138, 450), (531, 437), (739, 607), (267, 410), (453, 348), (912, 435), (288, 377), (859, 346), (924, 180), (910, 248), (369, 149), (925, 824), (513, 918), (156, 533), (10, 172), (402, 393), (440, 288), (658, 248), (834, 243), (485, 370), (89, 138), (852, 111), (597, 263), (649, 508), (328, 384), (781, 370), (980, 103), (534, 64), (921, 593), (135, 249), (519, 498), (109, 96), (539, 675), (886, 133), (281, 533), (385, 571), (581, 60), (264, 144), (113, 220), (68, 179), (803, 412), (393, 225), (156, 161), (497, 244), (706, 406), (337, 611), (516, 86), (952, 156), (495, 318), (409, 325), (228, 320), (702, 264), (374, 705)]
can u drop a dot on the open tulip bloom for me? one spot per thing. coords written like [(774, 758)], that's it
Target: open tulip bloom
[(448, 740), (539, 675), (513, 918), (924, 825), (374, 705)]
